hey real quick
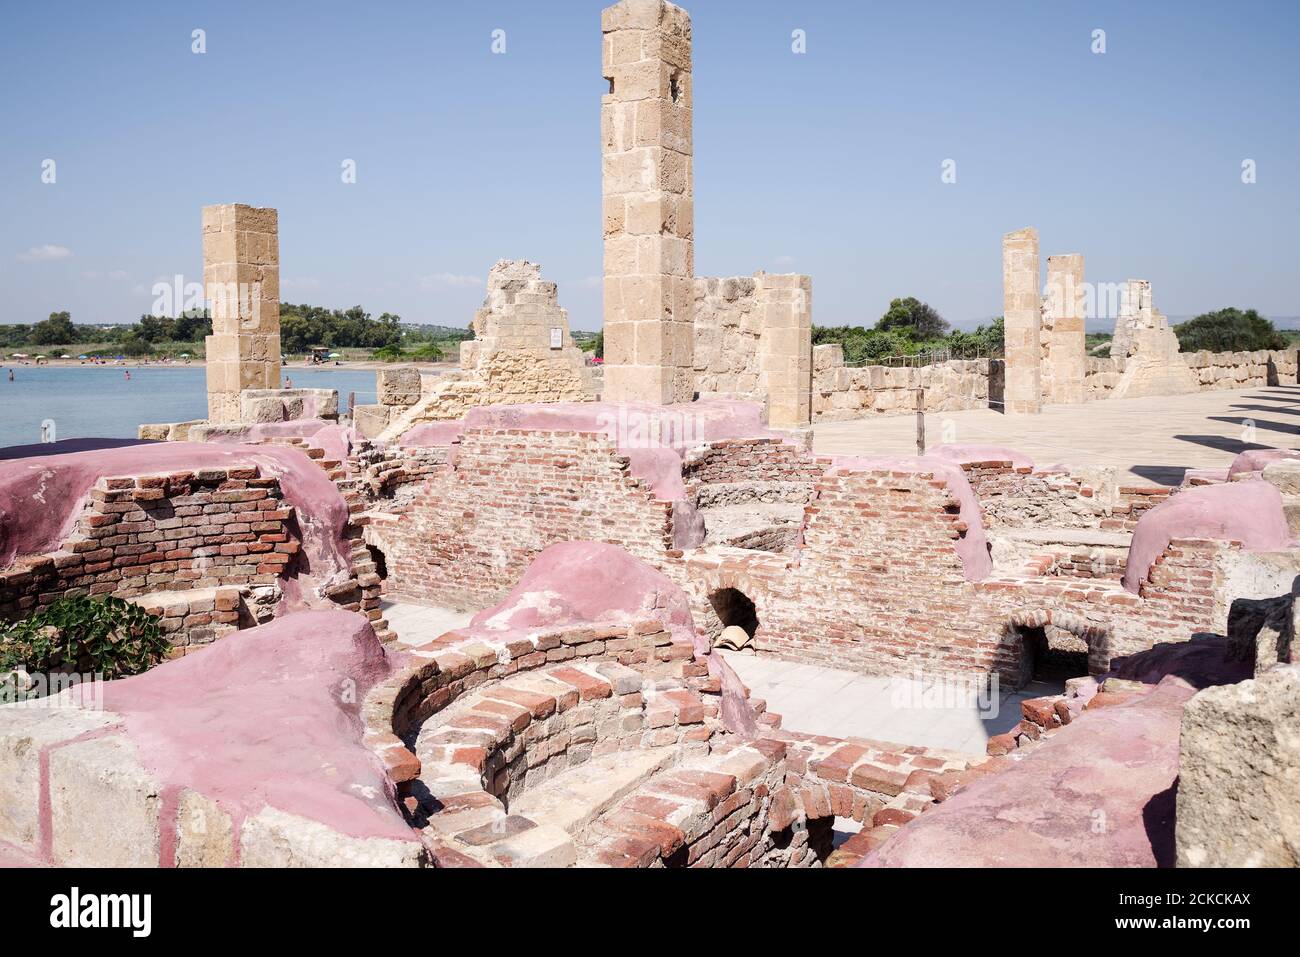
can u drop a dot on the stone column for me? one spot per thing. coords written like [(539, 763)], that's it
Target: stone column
[(1022, 320), (784, 306), (241, 281), (1066, 350), (645, 121)]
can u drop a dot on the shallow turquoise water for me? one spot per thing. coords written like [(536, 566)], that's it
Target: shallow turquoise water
[(99, 402)]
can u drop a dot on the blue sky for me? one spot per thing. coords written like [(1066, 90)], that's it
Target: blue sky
[(826, 163)]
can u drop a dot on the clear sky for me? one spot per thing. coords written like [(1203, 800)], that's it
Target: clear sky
[(826, 162)]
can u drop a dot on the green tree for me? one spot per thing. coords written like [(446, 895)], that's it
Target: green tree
[(56, 330), (913, 317), (1228, 330)]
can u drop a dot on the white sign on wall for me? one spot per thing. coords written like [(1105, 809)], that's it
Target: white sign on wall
[(557, 337)]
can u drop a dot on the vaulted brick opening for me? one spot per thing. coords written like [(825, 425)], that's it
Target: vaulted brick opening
[(734, 607), (1051, 655)]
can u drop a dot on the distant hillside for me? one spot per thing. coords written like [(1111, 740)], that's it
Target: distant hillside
[(439, 332)]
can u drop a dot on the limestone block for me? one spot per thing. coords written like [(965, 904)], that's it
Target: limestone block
[(204, 832), (399, 386), (275, 838), (104, 805), (24, 733), (370, 420), (1239, 774)]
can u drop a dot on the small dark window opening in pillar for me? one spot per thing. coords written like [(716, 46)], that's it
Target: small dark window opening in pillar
[(674, 86), (733, 607), (381, 564), (611, 85)]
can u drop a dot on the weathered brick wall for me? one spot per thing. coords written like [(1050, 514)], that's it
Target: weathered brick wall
[(477, 524), (1023, 497), (151, 533), (841, 392), (878, 588), (738, 471)]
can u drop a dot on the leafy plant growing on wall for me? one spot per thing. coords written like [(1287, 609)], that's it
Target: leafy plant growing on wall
[(108, 637)]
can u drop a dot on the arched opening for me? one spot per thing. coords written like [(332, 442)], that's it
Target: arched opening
[(1051, 655), (734, 607)]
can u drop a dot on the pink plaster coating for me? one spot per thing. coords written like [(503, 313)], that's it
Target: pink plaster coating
[(574, 583), (655, 438), (269, 716), (1249, 512), (41, 496), (1120, 760), (973, 547), (1254, 460), (582, 583)]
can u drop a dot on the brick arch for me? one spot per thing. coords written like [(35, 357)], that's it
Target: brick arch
[(1024, 621)]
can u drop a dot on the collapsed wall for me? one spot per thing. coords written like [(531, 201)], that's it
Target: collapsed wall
[(878, 565), (521, 352)]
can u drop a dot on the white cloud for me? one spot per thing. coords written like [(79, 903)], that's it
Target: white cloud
[(45, 253), (449, 279)]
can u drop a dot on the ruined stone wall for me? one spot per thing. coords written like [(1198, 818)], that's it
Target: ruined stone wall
[(841, 392), (475, 526), (753, 340), (1210, 371), (521, 352)]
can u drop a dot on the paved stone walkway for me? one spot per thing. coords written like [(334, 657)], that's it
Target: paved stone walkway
[(1154, 440), (844, 703)]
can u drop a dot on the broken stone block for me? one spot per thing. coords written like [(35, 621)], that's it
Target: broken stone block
[(275, 838), (1239, 774), (1260, 631), (399, 386)]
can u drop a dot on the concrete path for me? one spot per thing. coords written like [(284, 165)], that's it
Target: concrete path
[(420, 624), (906, 711), (1153, 441)]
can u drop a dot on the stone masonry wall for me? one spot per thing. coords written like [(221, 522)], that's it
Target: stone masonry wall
[(841, 392), (753, 340), (1210, 370)]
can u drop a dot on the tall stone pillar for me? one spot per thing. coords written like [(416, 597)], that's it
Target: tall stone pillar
[(784, 306), (646, 178), (1063, 328), (241, 281), (1022, 320)]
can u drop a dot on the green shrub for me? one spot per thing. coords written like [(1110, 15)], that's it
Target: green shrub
[(108, 637), (1228, 330)]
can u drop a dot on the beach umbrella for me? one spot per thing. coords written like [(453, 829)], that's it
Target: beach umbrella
[(336, 355), (185, 355), (65, 356), (83, 357)]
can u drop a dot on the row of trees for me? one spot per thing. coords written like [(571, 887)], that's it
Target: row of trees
[(910, 327), (302, 327)]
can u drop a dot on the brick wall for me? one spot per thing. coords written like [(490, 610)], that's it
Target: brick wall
[(476, 525), (154, 533)]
